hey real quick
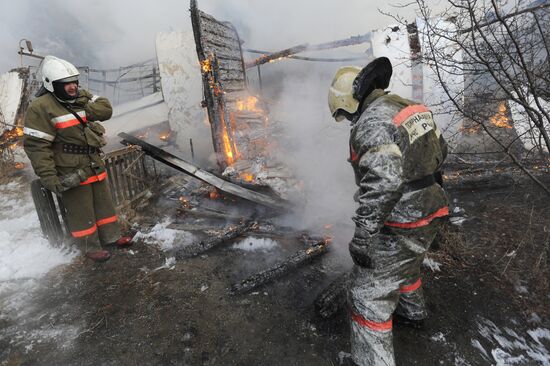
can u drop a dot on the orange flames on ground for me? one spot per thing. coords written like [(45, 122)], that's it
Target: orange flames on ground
[(500, 119), (19, 165)]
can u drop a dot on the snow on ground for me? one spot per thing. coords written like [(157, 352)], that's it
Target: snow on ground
[(507, 347), (168, 239), (431, 264), (252, 244), (25, 257), (24, 252)]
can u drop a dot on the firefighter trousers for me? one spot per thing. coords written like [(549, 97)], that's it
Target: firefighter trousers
[(91, 216), (390, 284)]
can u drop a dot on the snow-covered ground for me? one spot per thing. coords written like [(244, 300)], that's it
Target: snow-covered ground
[(168, 239), (504, 346), (25, 257)]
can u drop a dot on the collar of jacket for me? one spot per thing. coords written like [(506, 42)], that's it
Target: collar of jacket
[(375, 94)]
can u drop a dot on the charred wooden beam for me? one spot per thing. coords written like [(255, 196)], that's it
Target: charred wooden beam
[(215, 239), (207, 177), (306, 47), (299, 258), (333, 299)]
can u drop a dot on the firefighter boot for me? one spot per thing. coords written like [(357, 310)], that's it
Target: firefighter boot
[(98, 255)]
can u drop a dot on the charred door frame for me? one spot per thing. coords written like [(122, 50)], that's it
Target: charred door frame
[(213, 89)]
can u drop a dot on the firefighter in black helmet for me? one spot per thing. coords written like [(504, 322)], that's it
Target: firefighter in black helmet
[(396, 151)]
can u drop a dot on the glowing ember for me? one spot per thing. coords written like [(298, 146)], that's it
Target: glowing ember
[(214, 195), (470, 130), (184, 202), (19, 165), (165, 136), (247, 177), (500, 119)]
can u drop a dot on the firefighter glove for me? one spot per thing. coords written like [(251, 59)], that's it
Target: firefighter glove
[(72, 180), (53, 184), (83, 98)]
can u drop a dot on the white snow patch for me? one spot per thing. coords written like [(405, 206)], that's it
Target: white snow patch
[(24, 252), (511, 348), (252, 244), (169, 263), (457, 220), (26, 256), (477, 345), (431, 264), (438, 337), (168, 239)]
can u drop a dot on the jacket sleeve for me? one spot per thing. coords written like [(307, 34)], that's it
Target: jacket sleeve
[(380, 170), (39, 136), (98, 108)]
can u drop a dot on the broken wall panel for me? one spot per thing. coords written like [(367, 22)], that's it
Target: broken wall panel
[(242, 137)]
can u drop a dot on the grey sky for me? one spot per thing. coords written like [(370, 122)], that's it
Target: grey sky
[(106, 33)]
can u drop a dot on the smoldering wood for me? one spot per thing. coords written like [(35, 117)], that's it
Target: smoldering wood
[(306, 47), (207, 177), (294, 261), (215, 239), (333, 298)]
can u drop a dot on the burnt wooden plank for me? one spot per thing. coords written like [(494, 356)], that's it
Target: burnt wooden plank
[(190, 169), (294, 261)]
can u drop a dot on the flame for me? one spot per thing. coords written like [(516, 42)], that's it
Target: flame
[(12, 135), (19, 165), (500, 119), (206, 66), (249, 104), (227, 147), (164, 136), (247, 177)]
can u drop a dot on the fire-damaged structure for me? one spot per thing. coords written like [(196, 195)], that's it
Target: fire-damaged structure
[(241, 128)]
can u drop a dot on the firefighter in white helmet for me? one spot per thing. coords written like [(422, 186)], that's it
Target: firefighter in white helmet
[(396, 151), (63, 139)]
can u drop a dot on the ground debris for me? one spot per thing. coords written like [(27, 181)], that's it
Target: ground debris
[(215, 238), (317, 248)]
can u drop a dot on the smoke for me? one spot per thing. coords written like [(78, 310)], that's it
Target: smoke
[(105, 33)]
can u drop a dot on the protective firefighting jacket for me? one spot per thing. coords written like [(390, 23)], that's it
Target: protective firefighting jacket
[(51, 130), (394, 145)]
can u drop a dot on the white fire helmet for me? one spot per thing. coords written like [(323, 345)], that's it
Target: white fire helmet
[(56, 69), (340, 95)]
